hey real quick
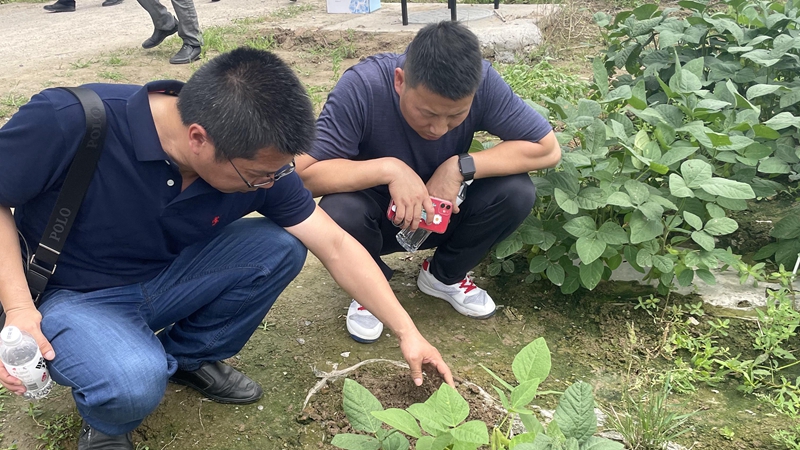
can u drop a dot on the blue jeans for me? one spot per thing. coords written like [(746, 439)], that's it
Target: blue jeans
[(209, 302)]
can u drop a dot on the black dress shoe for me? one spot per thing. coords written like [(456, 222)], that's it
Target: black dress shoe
[(61, 7), (91, 439), (159, 36), (186, 54), (111, 2), (220, 382)]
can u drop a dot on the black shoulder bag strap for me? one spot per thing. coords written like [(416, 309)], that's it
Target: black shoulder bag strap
[(43, 263)]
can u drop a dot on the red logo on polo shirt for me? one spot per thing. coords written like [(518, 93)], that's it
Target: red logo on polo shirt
[(215, 221)]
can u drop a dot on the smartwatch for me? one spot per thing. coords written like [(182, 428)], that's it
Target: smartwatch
[(466, 165)]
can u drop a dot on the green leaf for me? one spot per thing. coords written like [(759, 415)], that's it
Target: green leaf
[(355, 442), (613, 234), (732, 204), (724, 187), (621, 93), (704, 240), (696, 172), (589, 248), (685, 82), (762, 57), (428, 417), (721, 226), (643, 229), (539, 263), (706, 276), (503, 397), (788, 227), (400, 419), (523, 394), (637, 191), (598, 443), (575, 412), (358, 405), (591, 198), (677, 154), (693, 220), (774, 165), (532, 362), (715, 211), (531, 424), (631, 253), (581, 226), (473, 431), (592, 273), (600, 75), (685, 278), (678, 188), (555, 274), (442, 442), (566, 202), (509, 246), (451, 407), (619, 199), (651, 210), (765, 132), (396, 441), (424, 443), (759, 90), (783, 120), (663, 264)]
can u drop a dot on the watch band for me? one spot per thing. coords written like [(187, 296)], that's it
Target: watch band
[(466, 165)]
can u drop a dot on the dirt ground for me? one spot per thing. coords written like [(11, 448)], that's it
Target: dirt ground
[(589, 335)]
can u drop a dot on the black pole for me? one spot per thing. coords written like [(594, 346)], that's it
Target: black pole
[(453, 15), (404, 8), (496, 4)]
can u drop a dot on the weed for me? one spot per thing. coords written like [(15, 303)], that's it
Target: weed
[(291, 11), (790, 439), (543, 79), (80, 64), (13, 100), (58, 431), (222, 39), (647, 423), (111, 75), (262, 42), (115, 61)]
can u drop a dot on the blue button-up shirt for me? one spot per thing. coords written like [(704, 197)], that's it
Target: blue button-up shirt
[(134, 219)]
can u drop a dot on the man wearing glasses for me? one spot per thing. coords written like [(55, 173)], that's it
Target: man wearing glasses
[(159, 245)]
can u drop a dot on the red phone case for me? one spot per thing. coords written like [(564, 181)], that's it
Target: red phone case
[(441, 216)]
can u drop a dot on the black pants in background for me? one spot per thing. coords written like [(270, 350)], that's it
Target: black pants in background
[(492, 210)]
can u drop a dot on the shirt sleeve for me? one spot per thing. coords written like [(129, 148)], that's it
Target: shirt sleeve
[(341, 125), (287, 202), (34, 154), (507, 116)]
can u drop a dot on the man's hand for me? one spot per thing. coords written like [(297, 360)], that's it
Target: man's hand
[(27, 319), (417, 351), (410, 196), (446, 182)]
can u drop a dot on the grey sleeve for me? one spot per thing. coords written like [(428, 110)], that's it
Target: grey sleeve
[(507, 116), (341, 125)]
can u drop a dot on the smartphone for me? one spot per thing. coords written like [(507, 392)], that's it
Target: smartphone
[(442, 210)]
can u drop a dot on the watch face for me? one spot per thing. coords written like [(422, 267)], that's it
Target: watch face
[(466, 165)]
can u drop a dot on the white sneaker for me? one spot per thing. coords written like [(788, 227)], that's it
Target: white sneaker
[(464, 296), (362, 325)]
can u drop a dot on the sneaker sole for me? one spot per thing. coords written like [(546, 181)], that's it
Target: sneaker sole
[(363, 340), (464, 312)]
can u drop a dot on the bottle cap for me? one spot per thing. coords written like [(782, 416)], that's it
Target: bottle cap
[(11, 335)]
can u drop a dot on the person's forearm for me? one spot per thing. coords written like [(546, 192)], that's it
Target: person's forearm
[(367, 284), (14, 293), (513, 157), (343, 175)]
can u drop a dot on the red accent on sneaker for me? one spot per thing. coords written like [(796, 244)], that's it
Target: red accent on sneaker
[(361, 308), (467, 284), (425, 265)]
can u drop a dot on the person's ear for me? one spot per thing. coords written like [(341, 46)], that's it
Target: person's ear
[(198, 138), (399, 80)]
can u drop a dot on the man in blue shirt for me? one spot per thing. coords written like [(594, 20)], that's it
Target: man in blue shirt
[(398, 127), (158, 244)]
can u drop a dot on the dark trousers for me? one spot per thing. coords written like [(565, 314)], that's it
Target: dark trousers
[(493, 209)]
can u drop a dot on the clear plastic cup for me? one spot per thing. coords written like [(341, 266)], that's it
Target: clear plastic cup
[(411, 240)]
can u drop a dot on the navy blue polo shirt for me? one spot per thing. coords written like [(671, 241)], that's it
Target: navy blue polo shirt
[(134, 219)]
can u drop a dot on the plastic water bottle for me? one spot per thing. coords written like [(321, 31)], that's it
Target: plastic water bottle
[(23, 360), (411, 240)]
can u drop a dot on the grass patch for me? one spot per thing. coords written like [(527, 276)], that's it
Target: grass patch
[(291, 11), (542, 79), (111, 75)]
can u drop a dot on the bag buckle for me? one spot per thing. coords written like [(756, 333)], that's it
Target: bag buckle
[(38, 276)]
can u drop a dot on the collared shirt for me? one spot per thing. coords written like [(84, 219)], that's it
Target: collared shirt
[(134, 219), (362, 119)]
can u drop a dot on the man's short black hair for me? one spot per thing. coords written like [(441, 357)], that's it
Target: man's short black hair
[(444, 57), (249, 100)]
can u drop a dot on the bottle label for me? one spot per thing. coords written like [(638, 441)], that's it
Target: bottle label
[(34, 375)]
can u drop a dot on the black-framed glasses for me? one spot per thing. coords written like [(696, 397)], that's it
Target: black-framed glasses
[(268, 179)]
